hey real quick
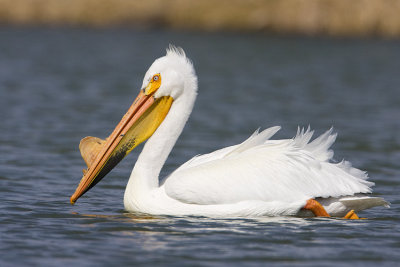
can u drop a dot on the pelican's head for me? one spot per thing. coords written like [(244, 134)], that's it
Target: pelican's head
[(169, 79), (171, 75)]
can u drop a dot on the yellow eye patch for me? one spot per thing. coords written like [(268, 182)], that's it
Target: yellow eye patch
[(153, 85)]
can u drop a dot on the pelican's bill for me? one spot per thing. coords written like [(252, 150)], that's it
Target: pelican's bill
[(137, 125)]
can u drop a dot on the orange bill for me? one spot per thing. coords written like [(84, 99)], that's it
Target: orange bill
[(136, 126)]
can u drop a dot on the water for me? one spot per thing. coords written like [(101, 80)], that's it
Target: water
[(59, 85)]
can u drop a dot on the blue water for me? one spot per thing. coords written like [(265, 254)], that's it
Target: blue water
[(60, 85)]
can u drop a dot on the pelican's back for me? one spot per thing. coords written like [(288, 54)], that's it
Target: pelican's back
[(268, 170)]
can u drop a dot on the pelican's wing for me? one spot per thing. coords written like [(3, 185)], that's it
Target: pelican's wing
[(267, 170), (254, 140)]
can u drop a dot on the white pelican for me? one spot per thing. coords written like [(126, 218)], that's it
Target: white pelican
[(259, 177)]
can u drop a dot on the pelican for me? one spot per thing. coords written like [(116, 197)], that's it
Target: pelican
[(258, 177)]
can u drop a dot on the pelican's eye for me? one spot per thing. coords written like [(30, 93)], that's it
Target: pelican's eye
[(154, 84)]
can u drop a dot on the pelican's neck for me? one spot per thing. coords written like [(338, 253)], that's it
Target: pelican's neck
[(145, 174)]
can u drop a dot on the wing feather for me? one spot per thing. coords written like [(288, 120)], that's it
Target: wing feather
[(267, 170), (254, 140)]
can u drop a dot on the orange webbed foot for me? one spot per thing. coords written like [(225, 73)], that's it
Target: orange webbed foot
[(351, 215), (316, 208)]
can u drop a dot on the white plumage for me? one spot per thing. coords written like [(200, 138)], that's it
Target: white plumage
[(255, 178)]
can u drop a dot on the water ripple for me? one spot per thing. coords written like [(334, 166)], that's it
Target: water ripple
[(59, 85)]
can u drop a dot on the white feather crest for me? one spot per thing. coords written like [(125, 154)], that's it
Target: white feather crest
[(175, 50)]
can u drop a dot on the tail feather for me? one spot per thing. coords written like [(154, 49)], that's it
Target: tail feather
[(362, 203)]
